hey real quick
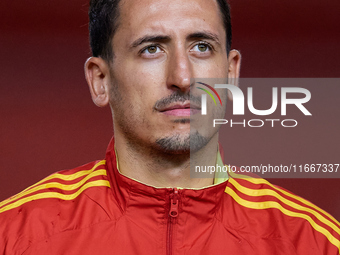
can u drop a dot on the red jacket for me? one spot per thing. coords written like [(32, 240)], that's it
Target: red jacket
[(93, 209)]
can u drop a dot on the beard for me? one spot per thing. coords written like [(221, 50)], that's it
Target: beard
[(178, 144)]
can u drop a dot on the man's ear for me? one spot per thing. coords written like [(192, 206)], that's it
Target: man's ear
[(234, 60), (97, 74)]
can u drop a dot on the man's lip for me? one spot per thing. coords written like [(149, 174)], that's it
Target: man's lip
[(181, 112), (180, 106)]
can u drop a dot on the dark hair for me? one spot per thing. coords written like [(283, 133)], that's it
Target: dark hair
[(104, 19), (225, 11)]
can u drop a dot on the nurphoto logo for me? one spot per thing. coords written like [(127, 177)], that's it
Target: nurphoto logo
[(239, 104)]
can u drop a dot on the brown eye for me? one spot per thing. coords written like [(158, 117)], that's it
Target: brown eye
[(152, 49), (202, 47)]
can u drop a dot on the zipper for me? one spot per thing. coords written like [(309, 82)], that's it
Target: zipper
[(173, 213)]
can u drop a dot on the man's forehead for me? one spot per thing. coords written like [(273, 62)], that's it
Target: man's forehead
[(164, 17), (156, 5)]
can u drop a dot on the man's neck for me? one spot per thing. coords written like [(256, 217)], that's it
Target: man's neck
[(159, 169)]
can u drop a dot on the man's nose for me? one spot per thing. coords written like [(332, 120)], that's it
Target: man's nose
[(179, 71)]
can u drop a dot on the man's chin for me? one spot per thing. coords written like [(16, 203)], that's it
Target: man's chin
[(182, 144)]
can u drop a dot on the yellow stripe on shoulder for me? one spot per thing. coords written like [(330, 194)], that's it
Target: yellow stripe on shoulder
[(304, 201), (53, 185), (42, 184), (263, 181), (270, 192), (273, 204), (55, 195), (69, 177)]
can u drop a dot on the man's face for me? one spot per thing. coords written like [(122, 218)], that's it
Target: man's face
[(159, 47)]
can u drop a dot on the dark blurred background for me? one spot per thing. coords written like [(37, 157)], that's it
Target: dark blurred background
[(48, 120)]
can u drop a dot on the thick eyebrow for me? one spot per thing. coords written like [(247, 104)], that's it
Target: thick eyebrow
[(163, 38), (204, 35), (150, 38)]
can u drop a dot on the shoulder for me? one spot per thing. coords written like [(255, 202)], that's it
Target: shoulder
[(274, 212), (64, 185), (53, 205)]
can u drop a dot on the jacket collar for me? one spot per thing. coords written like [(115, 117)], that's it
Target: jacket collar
[(131, 193)]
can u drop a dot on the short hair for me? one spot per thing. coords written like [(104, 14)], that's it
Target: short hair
[(104, 20)]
